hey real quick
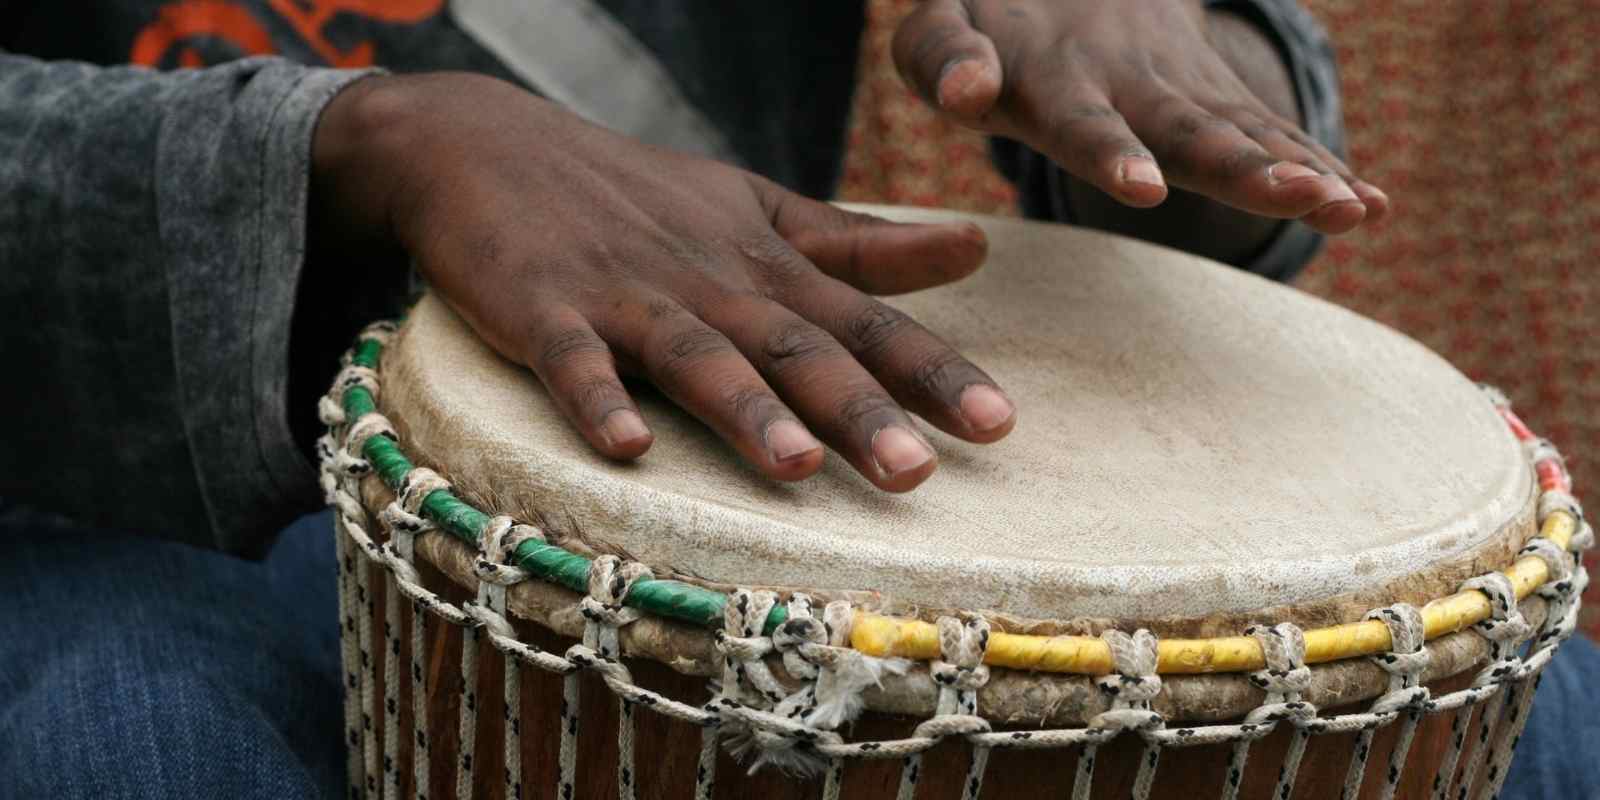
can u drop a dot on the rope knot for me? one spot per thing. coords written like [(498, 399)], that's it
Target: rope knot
[(1406, 660), (348, 460), (497, 548), (1283, 646), (1505, 623), (800, 638), (1553, 500), (403, 516), (610, 580), (1133, 684), (1558, 561)]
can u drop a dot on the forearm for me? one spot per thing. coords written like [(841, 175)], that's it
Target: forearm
[(153, 232)]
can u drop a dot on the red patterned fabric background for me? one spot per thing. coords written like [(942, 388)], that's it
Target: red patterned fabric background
[(1481, 120)]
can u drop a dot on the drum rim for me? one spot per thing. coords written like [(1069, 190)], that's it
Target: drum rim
[(354, 397)]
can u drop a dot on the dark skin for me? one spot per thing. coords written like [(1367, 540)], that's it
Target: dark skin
[(587, 256)]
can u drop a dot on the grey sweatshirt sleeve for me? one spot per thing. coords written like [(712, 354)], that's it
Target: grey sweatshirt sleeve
[(1307, 52), (152, 234)]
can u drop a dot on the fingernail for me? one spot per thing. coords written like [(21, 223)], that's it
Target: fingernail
[(984, 408), (1141, 170), (898, 450), (622, 426), (789, 440), (1285, 171), (1342, 193), (955, 79), (1364, 188)]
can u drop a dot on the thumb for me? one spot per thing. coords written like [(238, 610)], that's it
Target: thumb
[(948, 61), (876, 255)]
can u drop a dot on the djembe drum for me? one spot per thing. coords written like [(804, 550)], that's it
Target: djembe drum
[(1243, 542)]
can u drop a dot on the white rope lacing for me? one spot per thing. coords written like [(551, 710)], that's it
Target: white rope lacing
[(796, 728)]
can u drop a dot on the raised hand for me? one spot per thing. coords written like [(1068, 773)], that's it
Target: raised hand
[(584, 255), (1130, 97)]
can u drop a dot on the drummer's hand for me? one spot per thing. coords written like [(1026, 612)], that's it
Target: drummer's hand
[(1128, 97), (582, 253)]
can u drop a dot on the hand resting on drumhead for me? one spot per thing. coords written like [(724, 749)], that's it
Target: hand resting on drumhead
[(1131, 97), (584, 254)]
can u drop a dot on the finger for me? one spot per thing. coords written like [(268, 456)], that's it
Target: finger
[(703, 372), (831, 391), (1377, 201), (1207, 154), (576, 366), (1081, 132), (871, 253), (948, 61), (1333, 218), (920, 371)]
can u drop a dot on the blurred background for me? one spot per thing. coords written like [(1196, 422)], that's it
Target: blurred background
[(1481, 120)]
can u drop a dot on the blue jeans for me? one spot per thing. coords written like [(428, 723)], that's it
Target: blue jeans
[(136, 668)]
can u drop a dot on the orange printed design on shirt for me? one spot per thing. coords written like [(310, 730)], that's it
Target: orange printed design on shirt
[(309, 16), (179, 25)]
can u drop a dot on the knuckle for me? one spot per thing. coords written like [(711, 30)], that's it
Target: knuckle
[(935, 372), (596, 394), (795, 342), (777, 262), (659, 310), (573, 344), (751, 406), (873, 327), (859, 408), (685, 349), (1241, 161), (1185, 129)]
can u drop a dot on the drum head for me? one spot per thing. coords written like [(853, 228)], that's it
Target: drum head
[(1194, 443)]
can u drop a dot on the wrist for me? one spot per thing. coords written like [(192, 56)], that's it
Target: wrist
[(353, 176)]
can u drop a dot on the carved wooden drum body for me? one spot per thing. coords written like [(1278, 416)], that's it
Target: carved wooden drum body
[(1241, 543)]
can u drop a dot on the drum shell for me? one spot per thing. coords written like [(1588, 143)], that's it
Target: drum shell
[(667, 750)]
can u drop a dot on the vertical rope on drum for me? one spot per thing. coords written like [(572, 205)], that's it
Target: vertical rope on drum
[(1131, 686), (1504, 631), (1443, 779), (391, 688), (604, 611), (467, 729), (910, 773), (1083, 776), (1291, 764), (705, 775), (974, 782), (1486, 725), (1285, 679), (959, 672), (404, 521), (1519, 700), (365, 609), (1568, 580), (569, 736), (419, 702), (625, 776), (331, 412), (1405, 662), (1397, 756), (349, 658), (343, 467), (1146, 778), (513, 728)]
